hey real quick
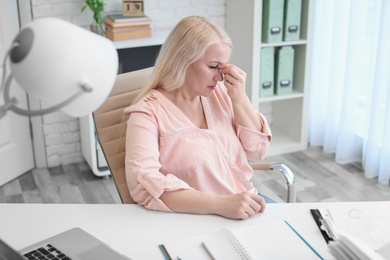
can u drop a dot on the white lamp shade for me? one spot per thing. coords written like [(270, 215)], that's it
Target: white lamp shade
[(61, 57)]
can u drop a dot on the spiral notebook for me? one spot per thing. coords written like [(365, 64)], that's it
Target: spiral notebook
[(275, 240)]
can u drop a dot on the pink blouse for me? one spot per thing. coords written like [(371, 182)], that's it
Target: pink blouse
[(165, 151)]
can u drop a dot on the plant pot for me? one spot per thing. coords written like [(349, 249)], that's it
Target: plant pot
[(97, 28)]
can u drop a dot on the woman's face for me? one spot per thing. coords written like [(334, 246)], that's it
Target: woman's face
[(202, 75)]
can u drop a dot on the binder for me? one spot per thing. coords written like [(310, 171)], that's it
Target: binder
[(272, 25), (267, 62), (344, 243), (322, 223), (292, 20), (284, 69)]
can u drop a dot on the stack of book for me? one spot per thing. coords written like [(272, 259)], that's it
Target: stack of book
[(119, 27)]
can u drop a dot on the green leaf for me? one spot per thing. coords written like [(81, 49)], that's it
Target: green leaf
[(97, 8)]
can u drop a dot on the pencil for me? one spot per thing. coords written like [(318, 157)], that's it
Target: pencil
[(208, 251), (304, 240)]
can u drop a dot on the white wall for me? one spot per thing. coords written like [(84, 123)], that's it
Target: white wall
[(61, 132)]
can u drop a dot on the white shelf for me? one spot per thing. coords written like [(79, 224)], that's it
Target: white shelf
[(157, 38), (280, 44), (288, 112), (283, 143), (295, 94)]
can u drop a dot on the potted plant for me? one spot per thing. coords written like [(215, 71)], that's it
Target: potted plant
[(97, 8)]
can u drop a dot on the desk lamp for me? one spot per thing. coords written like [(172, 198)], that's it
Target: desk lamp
[(68, 67)]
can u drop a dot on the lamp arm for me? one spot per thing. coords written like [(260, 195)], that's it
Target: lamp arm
[(10, 103)]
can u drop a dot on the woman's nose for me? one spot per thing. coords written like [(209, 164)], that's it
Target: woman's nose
[(219, 76)]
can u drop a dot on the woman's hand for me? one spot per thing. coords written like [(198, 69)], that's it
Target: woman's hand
[(234, 80), (241, 205)]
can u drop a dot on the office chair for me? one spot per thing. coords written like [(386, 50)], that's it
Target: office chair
[(111, 133)]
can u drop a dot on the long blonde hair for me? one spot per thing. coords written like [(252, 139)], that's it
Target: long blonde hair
[(186, 43)]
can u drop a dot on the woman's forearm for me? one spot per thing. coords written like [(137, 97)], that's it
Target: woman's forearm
[(245, 115), (237, 206)]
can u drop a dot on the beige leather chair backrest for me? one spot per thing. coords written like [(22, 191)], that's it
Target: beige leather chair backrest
[(111, 128)]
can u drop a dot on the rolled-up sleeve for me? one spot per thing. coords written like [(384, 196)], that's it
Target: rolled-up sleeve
[(255, 143), (144, 179)]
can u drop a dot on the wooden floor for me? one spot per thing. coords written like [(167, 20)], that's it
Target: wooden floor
[(74, 183), (318, 177)]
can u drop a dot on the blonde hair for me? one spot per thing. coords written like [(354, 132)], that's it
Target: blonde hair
[(186, 43)]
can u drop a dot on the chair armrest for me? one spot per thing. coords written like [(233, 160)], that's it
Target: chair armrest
[(285, 171)]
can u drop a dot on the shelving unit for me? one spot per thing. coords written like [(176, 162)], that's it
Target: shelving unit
[(287, 114)]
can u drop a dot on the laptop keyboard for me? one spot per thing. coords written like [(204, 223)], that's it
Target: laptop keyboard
[(46, 252)]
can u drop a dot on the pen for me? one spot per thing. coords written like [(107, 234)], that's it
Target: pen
[(208, 251), (304, 240)]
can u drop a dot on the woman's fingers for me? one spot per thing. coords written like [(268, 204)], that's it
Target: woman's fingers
[(243, 205)]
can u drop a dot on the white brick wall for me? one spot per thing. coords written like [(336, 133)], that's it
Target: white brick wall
[(62, 134), (62, 138), (164, 13)]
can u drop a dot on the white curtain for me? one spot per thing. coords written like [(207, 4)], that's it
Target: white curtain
[(349, 107)]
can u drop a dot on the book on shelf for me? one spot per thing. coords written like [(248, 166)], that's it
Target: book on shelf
[(113, 23), (125, 28), (128, 34), (275, 240), (119, 18)]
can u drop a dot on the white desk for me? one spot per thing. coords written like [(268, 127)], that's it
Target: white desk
[(137, 232)]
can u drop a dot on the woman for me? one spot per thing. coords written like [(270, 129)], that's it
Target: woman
[(192, 129)]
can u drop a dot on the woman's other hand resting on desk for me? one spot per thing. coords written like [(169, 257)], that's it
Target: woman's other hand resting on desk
[(192, 129), (236, 206)]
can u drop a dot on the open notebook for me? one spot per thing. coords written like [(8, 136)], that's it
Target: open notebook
[(275, 240)]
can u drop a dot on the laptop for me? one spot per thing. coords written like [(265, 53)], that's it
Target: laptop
[(72, 244)]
